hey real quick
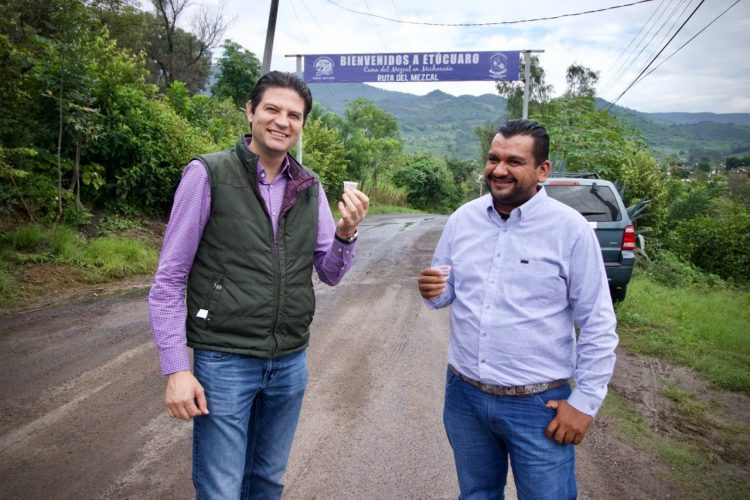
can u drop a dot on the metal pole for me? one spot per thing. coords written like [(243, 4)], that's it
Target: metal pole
[(299, 141), (527, 79), (266, 66)]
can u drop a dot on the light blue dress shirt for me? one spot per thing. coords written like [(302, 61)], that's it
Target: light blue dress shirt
[(517, 287)]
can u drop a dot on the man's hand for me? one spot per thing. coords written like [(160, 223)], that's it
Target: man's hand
[(353, 209), (431, 283), (184, 397), (569, 425)]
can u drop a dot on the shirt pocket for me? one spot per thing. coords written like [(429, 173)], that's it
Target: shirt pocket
[(537, 283)]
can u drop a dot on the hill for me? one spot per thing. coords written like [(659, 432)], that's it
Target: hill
[(436, 123), (443, 125), (690, 136)]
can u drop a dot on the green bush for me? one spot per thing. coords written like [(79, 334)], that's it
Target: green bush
[(719, 246), (428, 184), (76, 216), (666, 268), (324, 153), (146, 149)]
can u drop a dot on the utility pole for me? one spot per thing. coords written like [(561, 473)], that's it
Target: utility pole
[(526, 81), (299, 74), (266, 65)]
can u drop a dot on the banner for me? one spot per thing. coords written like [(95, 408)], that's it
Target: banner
[(412, 67)]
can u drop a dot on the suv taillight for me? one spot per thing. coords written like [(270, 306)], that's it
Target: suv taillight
[(628, 239)]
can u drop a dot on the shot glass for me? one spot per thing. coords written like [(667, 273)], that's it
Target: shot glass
[(350, 185), (445, 270)]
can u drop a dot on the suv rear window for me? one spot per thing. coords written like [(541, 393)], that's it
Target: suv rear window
[(595, 202)]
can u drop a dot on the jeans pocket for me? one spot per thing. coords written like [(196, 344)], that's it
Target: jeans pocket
[(552, 394), (207, 355), (450, 378)]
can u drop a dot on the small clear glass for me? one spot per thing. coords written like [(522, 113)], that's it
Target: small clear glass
[(445, 270)]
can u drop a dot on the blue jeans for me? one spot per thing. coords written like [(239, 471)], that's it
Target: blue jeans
[(241, 448), (484, 429)]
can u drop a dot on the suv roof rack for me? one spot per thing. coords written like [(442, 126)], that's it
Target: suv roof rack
[(578, 175)]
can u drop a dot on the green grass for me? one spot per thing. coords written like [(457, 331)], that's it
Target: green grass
[(689, 466), (706, 329), (101, 259), (115, 258)]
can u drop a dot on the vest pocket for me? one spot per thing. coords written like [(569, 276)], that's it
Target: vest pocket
[(206, 313)]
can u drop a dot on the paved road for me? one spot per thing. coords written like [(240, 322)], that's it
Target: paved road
[(82, 397)]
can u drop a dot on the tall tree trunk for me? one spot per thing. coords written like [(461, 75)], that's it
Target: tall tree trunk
[(23, 201), (78, 173), (59, 145)]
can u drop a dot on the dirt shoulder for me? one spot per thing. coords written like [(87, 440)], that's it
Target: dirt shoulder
[(664, 431)]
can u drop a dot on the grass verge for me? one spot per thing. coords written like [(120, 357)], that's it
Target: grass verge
[(34, 259), (706, 329), (700, 434), (694, 469)]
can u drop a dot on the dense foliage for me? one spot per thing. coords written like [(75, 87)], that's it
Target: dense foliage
[(428, 183), (100, 111), (82, 127)]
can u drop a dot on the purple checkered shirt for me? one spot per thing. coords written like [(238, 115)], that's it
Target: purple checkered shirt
[(190, 212)]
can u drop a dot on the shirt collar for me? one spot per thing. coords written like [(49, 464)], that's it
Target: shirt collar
[(525, 210), (262, 171)]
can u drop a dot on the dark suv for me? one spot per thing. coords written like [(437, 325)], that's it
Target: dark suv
[(600, 203)]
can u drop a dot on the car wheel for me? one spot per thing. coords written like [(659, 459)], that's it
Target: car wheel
[(617, 293)]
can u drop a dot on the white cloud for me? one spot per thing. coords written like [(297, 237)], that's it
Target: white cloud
[(709, 74)]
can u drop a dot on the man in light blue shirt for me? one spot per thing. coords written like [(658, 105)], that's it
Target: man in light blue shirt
[(524, 270)]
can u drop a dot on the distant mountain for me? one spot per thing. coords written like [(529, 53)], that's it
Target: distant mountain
[(437, 123), (690, 136), (693, 118), (443, 125)]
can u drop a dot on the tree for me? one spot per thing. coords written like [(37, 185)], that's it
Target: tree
[(581, 81), (178, 54), (539, 91), (239, 69), (427, 182), (485, 133), (325, 154), (372, 139)]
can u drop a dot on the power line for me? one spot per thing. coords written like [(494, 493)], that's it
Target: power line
[(690, 40), (486, 24), (674, 24), (655, 57), (672, 16), (641, 46), (625, 50)]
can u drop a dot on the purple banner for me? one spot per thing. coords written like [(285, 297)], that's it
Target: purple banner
[(412, 67)]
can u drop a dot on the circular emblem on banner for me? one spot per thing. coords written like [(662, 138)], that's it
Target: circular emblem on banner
[(323, 66), (498, 65)]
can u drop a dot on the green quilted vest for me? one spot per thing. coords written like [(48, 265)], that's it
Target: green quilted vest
[(246, 294)]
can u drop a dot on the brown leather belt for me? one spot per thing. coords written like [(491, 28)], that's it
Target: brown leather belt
[(516, 390)]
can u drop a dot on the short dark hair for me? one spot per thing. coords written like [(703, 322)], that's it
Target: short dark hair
[(283, 80), (533, 129)]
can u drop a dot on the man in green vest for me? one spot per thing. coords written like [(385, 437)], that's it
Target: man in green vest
[(247, 227)]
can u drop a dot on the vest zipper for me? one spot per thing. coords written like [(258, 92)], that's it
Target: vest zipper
[(277, 291)]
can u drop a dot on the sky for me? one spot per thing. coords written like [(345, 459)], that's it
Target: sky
[(709, 74)]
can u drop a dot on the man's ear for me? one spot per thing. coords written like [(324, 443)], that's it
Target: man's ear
[(543, 170)]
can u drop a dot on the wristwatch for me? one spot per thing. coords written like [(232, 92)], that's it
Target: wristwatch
[(346, 241)]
